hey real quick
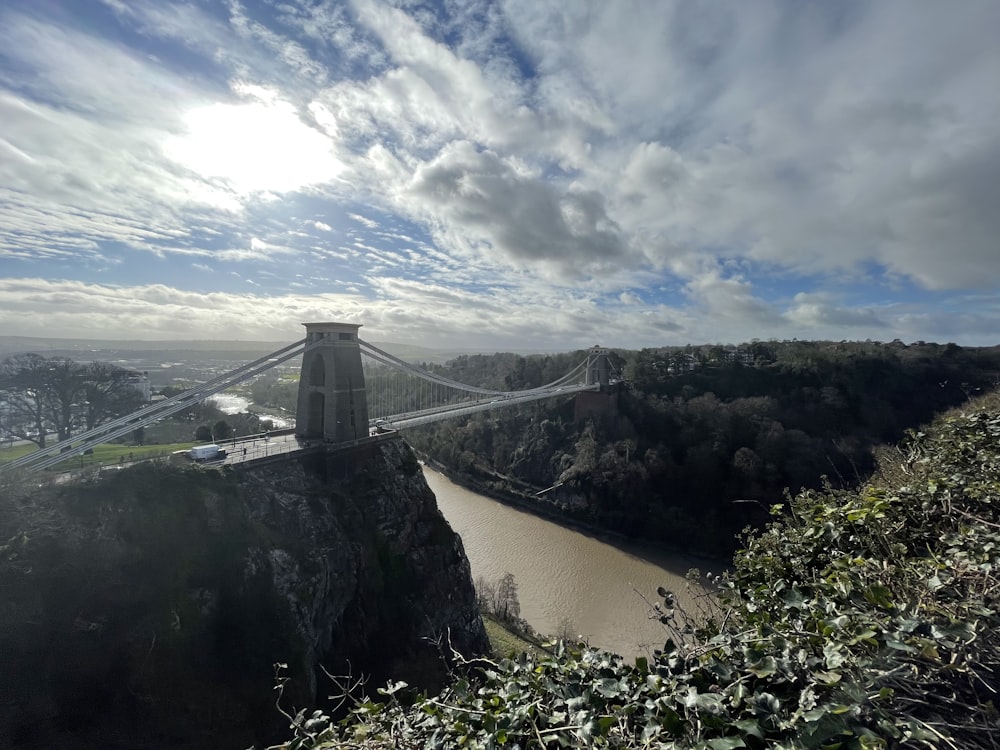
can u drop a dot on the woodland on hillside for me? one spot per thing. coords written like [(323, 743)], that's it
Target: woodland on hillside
[(860, 620), (702, 440)]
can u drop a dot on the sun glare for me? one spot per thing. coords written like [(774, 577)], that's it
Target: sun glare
[(258, 146)]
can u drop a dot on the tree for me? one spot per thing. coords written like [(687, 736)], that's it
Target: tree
[(222, 430), (57, 395), (499, 598), (506, 605), (203, 433), (63, 384), (107, 393), (485, 593), (566, 630), (23, 383)]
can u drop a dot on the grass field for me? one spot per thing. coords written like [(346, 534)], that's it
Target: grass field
[(506, 643), (108, 454), (9, 454)]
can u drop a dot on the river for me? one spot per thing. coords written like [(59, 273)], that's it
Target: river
[(229, 403), (561, 573)]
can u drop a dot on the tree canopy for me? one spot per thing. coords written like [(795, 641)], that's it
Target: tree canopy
[(58, 396), (699, 440)]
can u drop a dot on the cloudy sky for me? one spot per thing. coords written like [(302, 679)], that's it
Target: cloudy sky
[(501, 175)]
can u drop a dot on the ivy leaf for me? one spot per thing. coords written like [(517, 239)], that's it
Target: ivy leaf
[(609, 687), (793, 598), (767, 703), (833, 654), (764, 668), (605, 723), (392, 688), (726, 743), (879, 595), (649, 731), (709, 702), (749, 727)]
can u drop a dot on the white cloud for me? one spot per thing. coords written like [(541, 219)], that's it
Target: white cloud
[(731, 300), (92, 175), (482, 205), (155, 311), (631, 171), (280, 47), (432, 84), (364, 220), (258, 145), (258, 251), (813, 137), (822, 311)]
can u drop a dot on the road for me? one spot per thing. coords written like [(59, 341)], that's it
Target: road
[(248, 449)]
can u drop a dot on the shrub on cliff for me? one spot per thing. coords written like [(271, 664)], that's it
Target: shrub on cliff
[(865, 619)]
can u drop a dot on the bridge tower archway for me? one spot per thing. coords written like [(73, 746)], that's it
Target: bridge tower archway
[(332, 404), (598, 366), (315, 422), (317, 371)]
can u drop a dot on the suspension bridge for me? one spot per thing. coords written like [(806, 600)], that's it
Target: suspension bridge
[(349, 390)]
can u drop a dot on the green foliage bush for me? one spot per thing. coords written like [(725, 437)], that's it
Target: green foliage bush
[(864, 619), (222, 430)]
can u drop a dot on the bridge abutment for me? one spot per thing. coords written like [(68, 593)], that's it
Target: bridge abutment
[(332, 404)]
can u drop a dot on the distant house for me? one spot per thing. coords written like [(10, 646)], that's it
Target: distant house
[(682, 362), (738, 355)]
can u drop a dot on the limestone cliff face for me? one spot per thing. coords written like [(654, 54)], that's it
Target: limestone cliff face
[(368, 568), (148, 609)]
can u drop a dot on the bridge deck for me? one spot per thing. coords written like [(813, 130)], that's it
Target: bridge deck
[(437, 408), (257, 449)]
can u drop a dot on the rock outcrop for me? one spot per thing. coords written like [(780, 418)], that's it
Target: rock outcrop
[(148, 609)]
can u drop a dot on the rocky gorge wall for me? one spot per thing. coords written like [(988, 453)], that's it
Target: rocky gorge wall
[(147, 609)]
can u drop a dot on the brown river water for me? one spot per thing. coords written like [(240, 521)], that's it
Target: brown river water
[(563, 573)]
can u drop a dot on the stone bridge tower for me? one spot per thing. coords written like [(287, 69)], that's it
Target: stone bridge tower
[(598, 366), (332, 402)]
